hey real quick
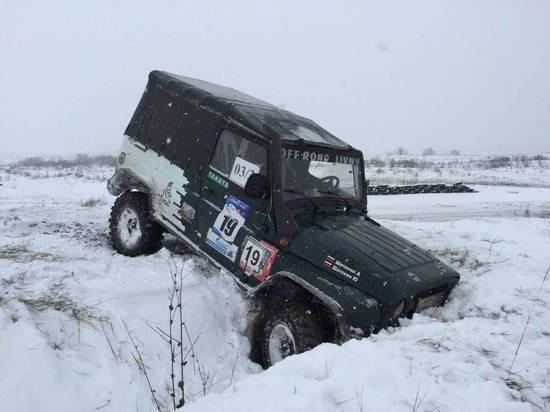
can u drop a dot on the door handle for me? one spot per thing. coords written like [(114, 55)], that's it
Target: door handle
[(208, 189)]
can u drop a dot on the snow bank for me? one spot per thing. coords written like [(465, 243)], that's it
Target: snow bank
[(64, 293), (454, 358)]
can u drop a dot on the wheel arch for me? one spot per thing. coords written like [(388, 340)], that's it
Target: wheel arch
[(125, 180), (292, 286)]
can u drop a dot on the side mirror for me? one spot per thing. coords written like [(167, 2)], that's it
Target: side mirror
[(256, 186)]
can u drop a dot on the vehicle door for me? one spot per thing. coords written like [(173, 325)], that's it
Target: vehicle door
[(232, 225)]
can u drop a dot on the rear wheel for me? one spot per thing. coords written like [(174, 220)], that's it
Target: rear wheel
[(132, 231), (287, 329)]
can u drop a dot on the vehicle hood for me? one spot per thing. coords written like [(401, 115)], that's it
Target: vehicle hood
[(370, 257)]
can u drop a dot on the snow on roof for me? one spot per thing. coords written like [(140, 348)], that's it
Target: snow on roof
[(223, 92)]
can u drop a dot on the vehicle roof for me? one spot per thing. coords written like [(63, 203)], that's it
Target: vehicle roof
[(260, 116)]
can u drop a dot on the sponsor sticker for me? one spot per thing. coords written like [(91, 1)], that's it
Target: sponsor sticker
[(336, 265), (242, 169), (226, 226), (221, 246), (257, 258), (218, 179), (231, 218), (187, 212)]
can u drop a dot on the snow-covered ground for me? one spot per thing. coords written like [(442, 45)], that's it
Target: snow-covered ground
[(504, 169), (64, 294)]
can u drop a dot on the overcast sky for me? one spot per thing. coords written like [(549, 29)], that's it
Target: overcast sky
[(471, 75)]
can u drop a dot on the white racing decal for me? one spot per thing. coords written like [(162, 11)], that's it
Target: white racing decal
[(257, 258), (167, 182), (341, 268), (242, 169)]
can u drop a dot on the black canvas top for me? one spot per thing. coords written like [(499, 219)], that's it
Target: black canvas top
[(255, 114), (221, 92)]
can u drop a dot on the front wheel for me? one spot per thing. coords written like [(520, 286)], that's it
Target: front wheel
[(132, 231), (288, 329)]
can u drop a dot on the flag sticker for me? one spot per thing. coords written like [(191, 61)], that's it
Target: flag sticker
[(329, 261)]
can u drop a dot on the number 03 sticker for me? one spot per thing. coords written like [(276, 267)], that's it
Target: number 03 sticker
[(257, 258), (242, 169)]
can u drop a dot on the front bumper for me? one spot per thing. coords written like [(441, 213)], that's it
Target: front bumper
[(433, 296)]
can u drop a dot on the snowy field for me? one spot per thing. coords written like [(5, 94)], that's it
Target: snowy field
[(64, 295), (503, 169)]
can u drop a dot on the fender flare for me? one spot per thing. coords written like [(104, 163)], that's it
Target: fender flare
[(124, 180), (332, 305)]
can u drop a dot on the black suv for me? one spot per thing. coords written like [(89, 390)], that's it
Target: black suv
[(275, 200)]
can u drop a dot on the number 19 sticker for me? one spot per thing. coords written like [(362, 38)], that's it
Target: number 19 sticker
[(231, 218), (257, 258)]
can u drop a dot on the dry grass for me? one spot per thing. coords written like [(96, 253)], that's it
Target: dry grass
[(13, 251), (462, 258), (20, 252), (92, 202), (60, 303)]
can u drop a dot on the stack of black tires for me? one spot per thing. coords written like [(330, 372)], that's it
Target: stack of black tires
[(423, 188)]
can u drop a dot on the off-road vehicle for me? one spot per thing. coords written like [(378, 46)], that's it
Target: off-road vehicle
[(275, 200)]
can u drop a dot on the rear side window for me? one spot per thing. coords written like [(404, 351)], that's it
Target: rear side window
[(230, 146)]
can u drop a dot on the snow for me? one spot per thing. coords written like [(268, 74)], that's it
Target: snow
[(64, 293), (526, 169), (488, 201)]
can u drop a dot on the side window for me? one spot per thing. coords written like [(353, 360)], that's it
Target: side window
[(226, 151), (230, 146)]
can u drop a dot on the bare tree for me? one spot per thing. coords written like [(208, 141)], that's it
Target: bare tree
[(428, 151)]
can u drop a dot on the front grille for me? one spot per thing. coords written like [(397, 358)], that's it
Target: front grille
[(430, 301)]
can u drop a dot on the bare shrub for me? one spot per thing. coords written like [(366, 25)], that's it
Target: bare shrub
[(375, 162), (138, 358), (428, 151), (454, 152), (401, 151), (92, 202), (498, 162), (522, 160), (529, 314), (180, 352), (80, 160)]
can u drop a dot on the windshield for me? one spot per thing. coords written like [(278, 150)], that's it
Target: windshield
[(317, 178)]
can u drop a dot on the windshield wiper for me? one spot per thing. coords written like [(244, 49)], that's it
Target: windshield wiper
[(306, 197), (348, 207)]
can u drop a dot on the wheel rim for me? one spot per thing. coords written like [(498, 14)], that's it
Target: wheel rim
[(281, 343), (129, 229)]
